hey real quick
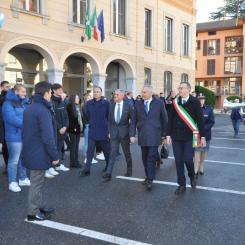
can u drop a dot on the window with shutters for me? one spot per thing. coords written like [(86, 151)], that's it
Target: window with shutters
[(168, 30), (234, 45), (147, 76), (184, 77), (198, 44), (148, 27), (211, 47), (233, 65), (210, 67), (185, 40), (119, 17), (168, 82), (79, 11), (29, 5)]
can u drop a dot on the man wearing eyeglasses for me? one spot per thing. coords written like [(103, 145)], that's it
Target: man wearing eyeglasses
[(185, 131)]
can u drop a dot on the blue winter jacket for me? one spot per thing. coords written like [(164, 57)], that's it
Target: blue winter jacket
[(209, 121), (39, 135), (13, 110)]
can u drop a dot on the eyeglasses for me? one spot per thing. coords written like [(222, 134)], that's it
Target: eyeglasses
[(181, 88)]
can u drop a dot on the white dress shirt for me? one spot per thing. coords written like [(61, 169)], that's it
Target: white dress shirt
[(115, 111)]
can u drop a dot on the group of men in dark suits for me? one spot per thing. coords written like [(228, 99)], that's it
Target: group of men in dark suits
[(147, 118)]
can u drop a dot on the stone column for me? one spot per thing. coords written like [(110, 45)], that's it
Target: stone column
[(2, 71), (99, 80), (55, 76)]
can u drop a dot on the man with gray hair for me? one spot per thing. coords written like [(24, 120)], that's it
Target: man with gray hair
[(151, 121), (121, 131)]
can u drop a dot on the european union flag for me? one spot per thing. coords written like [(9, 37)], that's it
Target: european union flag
[(100, 21)]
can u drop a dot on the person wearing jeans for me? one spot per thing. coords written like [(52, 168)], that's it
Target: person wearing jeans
[(13, 110)]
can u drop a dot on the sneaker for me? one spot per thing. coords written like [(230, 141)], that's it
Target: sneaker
[(62, 168), (94, 161), (48, 175), (53, 172), (14, 187), (25, 182), (101, 156)]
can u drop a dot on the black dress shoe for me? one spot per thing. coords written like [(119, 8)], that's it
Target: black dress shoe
[(201, 173), (193, 183), (47, 211), (107, 177), (84, 173), (180, 190), (144, 182), (38, 217), (149, 185)]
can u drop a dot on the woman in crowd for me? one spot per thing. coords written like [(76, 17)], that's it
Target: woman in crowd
[(200, 152), (86, 98), (13, 109), (75, 128), (236, 118)]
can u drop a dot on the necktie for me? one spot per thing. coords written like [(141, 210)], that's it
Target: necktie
[(183, 102), (118, 114), (146, 107)]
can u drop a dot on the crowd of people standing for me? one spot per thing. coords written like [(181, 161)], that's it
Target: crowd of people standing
[(34, 132)]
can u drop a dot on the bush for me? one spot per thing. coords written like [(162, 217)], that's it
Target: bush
[(209, 95), (233, 97)]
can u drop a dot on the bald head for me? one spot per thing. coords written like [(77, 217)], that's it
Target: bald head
[(147, 92)]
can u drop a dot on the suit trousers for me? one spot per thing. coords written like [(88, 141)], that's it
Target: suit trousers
[(114, 149), (105, 146), (35, 197), (184, 154), (149, 158)]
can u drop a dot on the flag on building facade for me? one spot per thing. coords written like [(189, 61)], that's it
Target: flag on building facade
[(94, 25), (87, 24), (101, 28)]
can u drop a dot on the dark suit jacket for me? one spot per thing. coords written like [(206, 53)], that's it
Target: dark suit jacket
[(177, 128), (126, 126), (152, 126)]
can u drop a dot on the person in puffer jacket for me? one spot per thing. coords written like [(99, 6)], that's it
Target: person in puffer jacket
[(12, 110)]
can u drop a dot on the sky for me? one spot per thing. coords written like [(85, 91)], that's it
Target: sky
[(205, 7)]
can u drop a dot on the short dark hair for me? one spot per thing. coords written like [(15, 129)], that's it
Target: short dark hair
[(56, 86), (42, 87), (3, 83), (94, 87)]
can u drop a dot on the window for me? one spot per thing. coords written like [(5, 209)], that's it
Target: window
[(169, 34), (79, 10), (211, 47), (186, 37), (233, 85), (148, 27), (119, 17), (233, 65), (30, 5), (234, 45), (148, 76), (211, 33), (198, 45), (168, 77), (211, 67), (184, 77)]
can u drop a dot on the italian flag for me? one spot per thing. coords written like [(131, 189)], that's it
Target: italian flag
[(94, 25), (87, 24)]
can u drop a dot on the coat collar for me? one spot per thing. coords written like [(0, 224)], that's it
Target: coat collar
[(37, 98)]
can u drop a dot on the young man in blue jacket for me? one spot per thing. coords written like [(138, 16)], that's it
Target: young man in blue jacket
[(39, 148)]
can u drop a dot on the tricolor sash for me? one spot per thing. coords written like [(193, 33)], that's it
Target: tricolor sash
[(185, 116)]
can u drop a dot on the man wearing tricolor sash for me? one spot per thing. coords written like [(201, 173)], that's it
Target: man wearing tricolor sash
[(186, 132)]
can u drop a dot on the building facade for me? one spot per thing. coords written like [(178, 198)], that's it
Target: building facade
[(219, 58), (146, 42)]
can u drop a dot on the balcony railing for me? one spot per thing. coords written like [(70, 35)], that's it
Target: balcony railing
[(221, 90)]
